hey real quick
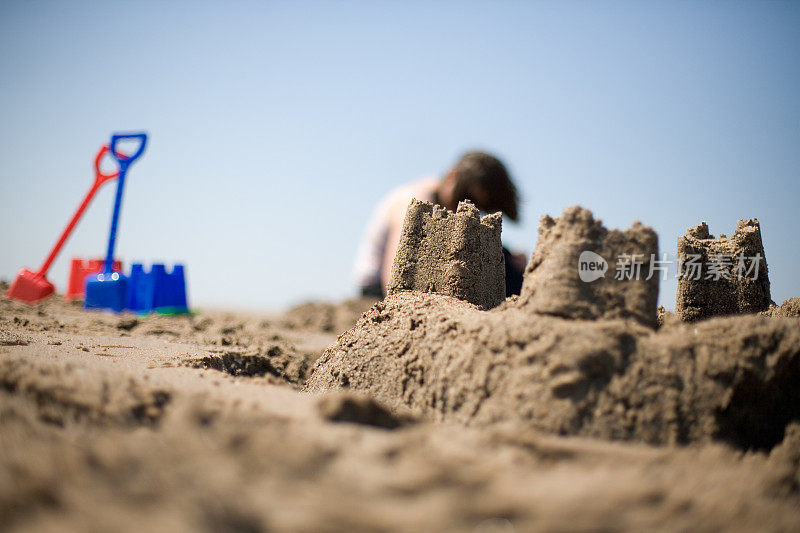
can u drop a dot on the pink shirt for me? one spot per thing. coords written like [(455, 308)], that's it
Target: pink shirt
[(382, 236)]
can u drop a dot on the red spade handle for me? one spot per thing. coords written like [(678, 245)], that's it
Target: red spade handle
[(99, 177), (99, 180)]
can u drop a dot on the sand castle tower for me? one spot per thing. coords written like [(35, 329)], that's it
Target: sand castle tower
[(456, 254), (721, 276), (582, 270)]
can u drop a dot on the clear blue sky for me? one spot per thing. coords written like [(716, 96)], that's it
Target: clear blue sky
[(276, 126)]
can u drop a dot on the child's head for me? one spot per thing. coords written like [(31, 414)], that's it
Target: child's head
[(482, 179)]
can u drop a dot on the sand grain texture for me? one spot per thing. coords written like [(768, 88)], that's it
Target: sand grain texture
[(428, 414)]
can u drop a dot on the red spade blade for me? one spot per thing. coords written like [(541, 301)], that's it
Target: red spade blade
[(30, 287)]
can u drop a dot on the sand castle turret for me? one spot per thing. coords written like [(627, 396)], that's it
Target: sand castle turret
[(721, 276), (455, 254), (582, 270)]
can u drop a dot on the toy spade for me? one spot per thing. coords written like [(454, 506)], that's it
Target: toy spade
[(31, 287), (107, 290)]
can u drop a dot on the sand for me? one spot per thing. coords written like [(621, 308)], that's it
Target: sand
[(427, 414), (729, 379)]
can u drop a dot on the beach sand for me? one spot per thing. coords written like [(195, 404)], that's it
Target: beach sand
[(426, 413)]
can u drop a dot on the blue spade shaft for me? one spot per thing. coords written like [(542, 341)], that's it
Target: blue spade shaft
[(124, 162)]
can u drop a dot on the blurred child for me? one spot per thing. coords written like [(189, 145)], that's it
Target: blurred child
[(478, 177)]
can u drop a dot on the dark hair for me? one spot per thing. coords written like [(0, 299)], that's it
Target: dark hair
[(488, 173)]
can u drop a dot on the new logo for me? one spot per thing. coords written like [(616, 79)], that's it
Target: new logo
[(591, 266)]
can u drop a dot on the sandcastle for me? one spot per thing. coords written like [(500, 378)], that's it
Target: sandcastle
[(721, 276), (571, 355), (457, 254)]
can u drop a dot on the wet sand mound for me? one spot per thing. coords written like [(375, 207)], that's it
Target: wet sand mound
[(212, 466), (734, 379), (789, 308), (537, 361), (326, 317)]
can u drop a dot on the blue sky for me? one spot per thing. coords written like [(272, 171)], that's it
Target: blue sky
[(276, 126)]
